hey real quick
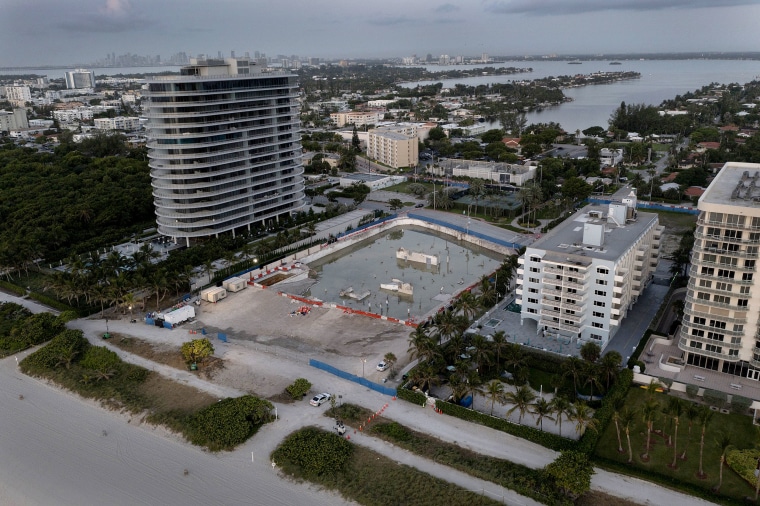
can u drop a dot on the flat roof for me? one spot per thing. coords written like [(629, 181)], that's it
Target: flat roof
[(733, 187), (567, 237)]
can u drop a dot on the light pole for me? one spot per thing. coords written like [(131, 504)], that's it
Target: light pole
[(364, 361)]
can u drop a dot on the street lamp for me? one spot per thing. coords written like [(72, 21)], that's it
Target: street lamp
[(363, 361)]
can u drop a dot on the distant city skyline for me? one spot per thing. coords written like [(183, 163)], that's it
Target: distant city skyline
[(51, 32)]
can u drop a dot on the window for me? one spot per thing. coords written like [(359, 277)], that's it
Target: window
[(750, 264), (717, 324), (600, 292), (597, 325), (713, 348), (569, 311), (732, 234), (734, 220), (572, 280), (755, 222), (535, 259), (722, 299), (752, 250), (532, 310), (738, 328), (533, 290), (602, 270), (574, 269), (744, 290), (558, 299), (703, 296), (731, 262), (535, 269), (533, 301), (713, 231), (723, 286), (704, 283), (754, 236), (697, 332), (742, 302), (534, 280), (708, 271), (572, 290), (715, 336), (699, 321), (597, 314), (569, 322), (709, 258), (696, 344), (599, 304), (716, 217), (733, 353), (723, 273), (601, 281), (747, 276), (595, 336), (732, 248)]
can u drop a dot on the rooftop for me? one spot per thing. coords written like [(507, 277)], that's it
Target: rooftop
[(567, 238), (736, 184)]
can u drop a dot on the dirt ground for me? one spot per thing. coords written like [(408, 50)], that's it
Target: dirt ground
[(676, 224)]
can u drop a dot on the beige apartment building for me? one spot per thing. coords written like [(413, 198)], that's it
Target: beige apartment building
[(393, 148), (357, 118), (580, 279), (722, 311)]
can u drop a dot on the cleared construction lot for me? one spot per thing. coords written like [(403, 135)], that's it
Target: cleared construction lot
[(263, 319)]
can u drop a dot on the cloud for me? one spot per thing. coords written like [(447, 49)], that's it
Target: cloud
[(111, 16), (446, 8), (552, 7), (391, 21)]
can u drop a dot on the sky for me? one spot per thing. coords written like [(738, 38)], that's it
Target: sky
[(64, 32)]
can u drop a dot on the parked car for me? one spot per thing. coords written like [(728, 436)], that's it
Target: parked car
[(419, 205), (320, 399), (382, 366)]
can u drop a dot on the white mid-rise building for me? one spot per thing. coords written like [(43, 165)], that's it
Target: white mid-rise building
[(721, 322), (117, 123), (393, 147), (580, 279), (357, 118), (80, 79), (15, 120), (18, 95), (225, 148)]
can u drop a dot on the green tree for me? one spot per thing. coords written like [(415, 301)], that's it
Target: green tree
[(298, 388), (521, 400), (394, 204), (648, 413), (723, 443), (391, 360), (691, 411), (626, 419), (590, 352), (196, 350), (476, 190), (583, 418), (101, 361), (542, 409), (675, 411), (571, 472), (609, 367), (494, 392), (705, 415)]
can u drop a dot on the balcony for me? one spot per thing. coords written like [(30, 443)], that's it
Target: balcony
[(712, 303), (744, 226), (692, 312), (575, 318), (683, 344), (561, 326), (695, 272)]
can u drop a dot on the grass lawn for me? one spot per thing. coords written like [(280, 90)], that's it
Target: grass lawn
[(676, 221), (404, 187), (743, 435)]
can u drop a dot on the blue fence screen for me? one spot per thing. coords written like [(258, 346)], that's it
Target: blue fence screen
[(350, 377), (654, 207), (479, 235)]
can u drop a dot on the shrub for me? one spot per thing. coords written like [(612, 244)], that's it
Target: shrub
[(740, 404), (63, 349), (229, 422), (196, 350), (299, 388), (14, 289), (571, 472), (393, 430), (603, 415), (715, 398), (691, 391), (634, 359), (315, 451)]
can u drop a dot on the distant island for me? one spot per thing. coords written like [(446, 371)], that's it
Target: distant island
[(615, 63)]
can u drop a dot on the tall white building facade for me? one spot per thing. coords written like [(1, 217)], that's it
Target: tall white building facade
[(721, 322), (79, 79), (225, 148), (580, 279)]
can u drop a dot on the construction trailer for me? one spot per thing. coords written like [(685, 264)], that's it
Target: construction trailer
[(179, 315), (214, 294), (234, 284)]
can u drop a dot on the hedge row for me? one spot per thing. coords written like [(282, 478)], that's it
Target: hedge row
[(547, 439), (642, 344), (417, 398), (603, 415), (17, 290), (55, 304)]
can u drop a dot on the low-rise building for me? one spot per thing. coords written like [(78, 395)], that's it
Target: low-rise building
[(610, 156), (496, 172), (76, 114), (117, 123), (579, 280), (357, 118)]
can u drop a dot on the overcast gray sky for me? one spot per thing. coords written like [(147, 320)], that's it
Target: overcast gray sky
[(35, 32)]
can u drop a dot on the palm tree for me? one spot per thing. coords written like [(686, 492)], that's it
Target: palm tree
[(477, 190), (474, 386), (515, 359), (422, 346), (582, 415), (521, 400), (561, 407), (675, 410), (591, 372), (482, 354), (590, 352), (723, 442), (692, 413), (390, 359), (610, 366), (495, 393), (704, 417), (542, 409), (458, 387), (424, 375), (498, 344), (616, 419), (626, 418), (573, 367), (208, 268), (447, 326), (467, 304), (158, 284), (648, 412)]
